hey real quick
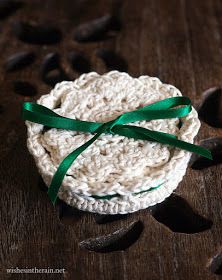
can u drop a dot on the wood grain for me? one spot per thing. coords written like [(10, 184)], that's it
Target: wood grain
[(177, 41)]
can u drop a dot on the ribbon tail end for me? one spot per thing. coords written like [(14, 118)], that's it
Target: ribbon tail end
[(207, 154), (52, 197), (210, 156)]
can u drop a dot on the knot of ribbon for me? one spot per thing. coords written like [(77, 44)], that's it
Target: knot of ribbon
[(174, 107)]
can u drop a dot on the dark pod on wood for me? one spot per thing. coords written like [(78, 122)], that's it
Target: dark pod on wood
[(24, 88), (69, 215), (215, 146), (210, 110), (79, 62), (178, 216), (7, 7), (51, 71), (216, 264), (112, 60), (36, 34), (117, 241), (96, 29), (41, 185), (50, 62), (104, 219), (19, 60)]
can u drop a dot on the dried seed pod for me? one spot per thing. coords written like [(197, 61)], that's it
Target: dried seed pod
[(51, 71), (19, 60), (41, 185), (210, 110), (112, 60), (69, 215), (36, 34), (215, 265), (104, 219), (215, 146), (96, 29), (117, 241), (178, 216), (7, 7), (50, 62), (24, 88), (79, 62)]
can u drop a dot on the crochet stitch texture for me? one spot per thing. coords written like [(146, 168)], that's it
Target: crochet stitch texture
[(112, 164)]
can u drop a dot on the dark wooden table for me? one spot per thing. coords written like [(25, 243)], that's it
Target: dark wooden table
[(181, 43)]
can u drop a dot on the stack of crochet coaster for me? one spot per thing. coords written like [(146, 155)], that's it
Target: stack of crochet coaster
[(115, 174)]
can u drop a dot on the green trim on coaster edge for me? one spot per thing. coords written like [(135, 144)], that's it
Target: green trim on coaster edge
[(108, 197)]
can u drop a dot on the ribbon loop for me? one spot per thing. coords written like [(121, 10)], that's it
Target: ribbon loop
[(163, 109)]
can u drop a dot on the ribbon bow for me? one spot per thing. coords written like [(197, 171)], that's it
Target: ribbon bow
[(160, 110)]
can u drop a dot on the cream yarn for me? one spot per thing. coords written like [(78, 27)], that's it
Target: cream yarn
[(113, 163)]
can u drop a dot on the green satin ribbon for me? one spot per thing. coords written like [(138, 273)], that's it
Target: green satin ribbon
[(164, 109)]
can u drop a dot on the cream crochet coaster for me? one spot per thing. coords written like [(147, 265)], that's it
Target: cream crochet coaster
[(113, 164)]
